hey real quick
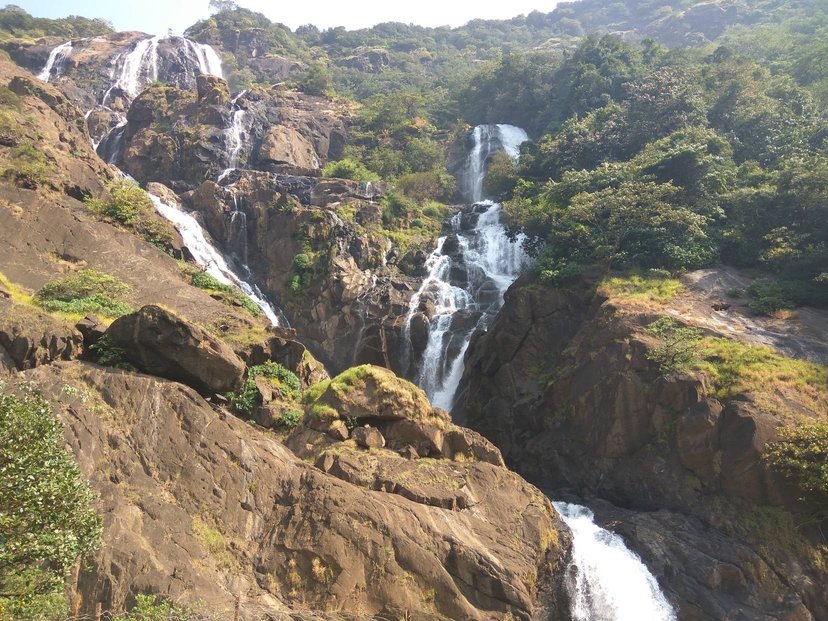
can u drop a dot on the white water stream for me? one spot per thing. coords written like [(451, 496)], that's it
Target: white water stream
[(55, 61), (235, 137), (608, 582), (486, 258), (210, 259), (131, 72)]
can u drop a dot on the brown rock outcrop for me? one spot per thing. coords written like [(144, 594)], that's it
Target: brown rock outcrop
[(159, 343), (198, 505), (563, 384)]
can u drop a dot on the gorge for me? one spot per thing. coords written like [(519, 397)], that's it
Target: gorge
[(334, 387)]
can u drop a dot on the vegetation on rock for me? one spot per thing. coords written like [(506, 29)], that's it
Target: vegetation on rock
[(46, 519), (88, 291)]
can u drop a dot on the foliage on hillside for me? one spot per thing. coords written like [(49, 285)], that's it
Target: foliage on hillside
[(17, 23)]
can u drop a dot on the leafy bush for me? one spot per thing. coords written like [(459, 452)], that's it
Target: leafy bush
[(88, 291), (131, 207), (290, 419), (348, 169), (769, 296), (245, 399), (301, 262), (110, 355), (148, 608), (46, 516), (801, 454), (681, 347)]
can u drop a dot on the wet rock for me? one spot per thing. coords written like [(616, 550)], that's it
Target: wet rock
[(160, 343), (368, 437)]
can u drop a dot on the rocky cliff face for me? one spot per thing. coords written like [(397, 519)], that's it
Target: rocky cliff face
[(564, 383), (348, 302), (183, 137)]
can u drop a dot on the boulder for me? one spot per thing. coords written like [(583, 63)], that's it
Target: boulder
[(370, 392), (91, 328), (368, 437), (160, 343), (285, 145), (212, 90)]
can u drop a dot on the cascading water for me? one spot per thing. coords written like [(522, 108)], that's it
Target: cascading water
[(56, 58), (209, 258), (235, 137), (468, 274), (130, 72), (608, 581), (487, 262)]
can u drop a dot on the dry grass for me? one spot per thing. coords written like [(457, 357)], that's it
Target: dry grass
[(779, 385), (641, 289)]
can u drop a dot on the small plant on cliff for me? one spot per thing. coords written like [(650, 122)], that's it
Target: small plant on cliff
[(148, 608), (46, 516), (205, 281), (245, 399), (681, 345), (131, 207), (801, 454), (348, 169), (88, 291)]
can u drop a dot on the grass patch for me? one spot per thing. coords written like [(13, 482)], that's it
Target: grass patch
[(88, 291), (649, 289), (775, 380), (210, 284)]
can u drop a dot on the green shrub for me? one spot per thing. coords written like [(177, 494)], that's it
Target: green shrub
[(682, 345), (301, 262), (290, 419), (46, 516), (203, 280), (28, 166), (109, 355), (769, 296), (88, 291), (147, 608), (245, 399), (348, 169), (801, 454)]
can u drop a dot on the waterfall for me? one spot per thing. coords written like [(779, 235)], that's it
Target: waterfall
[(607, 581), (466, 281), (139, 67), (56, 58), (209, 258), (208, 60), (235, 137)]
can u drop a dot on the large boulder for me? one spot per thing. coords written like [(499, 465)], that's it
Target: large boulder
[(286, 146), (159, 343), (30, 337)]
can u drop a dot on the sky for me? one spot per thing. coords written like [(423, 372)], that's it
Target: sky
[(156, 16)]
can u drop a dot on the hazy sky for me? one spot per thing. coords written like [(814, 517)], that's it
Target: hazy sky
[(156, 16)]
